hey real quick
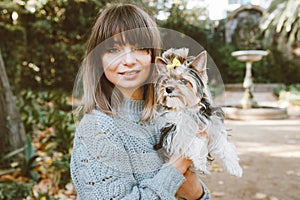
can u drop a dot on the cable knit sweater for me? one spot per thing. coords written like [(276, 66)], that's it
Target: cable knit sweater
[(113, 158)]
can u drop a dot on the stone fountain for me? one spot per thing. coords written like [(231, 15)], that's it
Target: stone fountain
[(248, 107), (249, 56)]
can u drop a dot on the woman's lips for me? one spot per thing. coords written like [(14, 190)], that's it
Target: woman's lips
[(129, 74)]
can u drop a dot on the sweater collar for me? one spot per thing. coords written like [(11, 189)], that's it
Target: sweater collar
[(131, 107)]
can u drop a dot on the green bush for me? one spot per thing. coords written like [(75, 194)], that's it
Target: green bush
[(288, 93), (50, 127), (43, 49), (29, 161), (48, 111), (15, 190), (47, 115)]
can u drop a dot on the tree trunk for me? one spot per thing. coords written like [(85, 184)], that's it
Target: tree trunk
[(12, 132)]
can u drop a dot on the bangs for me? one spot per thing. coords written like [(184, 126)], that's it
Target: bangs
[(136, 37), (127, 26), (140, 37)]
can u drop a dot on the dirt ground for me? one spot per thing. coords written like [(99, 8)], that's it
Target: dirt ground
[(269, 152)]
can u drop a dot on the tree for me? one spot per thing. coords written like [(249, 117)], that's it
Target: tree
[(45, 44), (12, 131), (187, 21), (281, 25)]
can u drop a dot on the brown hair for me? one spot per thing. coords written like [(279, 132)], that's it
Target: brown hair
[(130, 23)]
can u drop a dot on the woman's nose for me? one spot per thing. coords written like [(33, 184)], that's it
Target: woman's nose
[(129, 57)]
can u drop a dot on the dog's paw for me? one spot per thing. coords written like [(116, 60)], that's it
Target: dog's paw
[(234, 169)]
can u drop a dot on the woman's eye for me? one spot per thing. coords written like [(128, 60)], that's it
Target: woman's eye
[(113, 50), (183, 81), (141, 50)]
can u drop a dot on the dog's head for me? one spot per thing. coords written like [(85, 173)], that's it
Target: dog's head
[(182, 80)]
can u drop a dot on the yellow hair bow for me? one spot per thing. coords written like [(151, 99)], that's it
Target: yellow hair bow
[(175, 63)]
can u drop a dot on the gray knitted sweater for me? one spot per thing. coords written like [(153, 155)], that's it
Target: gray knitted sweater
[(113, 158)]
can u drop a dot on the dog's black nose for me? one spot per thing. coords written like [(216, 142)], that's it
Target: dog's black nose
[(169, 89)]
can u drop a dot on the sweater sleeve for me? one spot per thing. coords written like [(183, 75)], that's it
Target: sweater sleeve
[(101, 168)]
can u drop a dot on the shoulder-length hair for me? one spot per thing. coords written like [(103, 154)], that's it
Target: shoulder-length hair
[(130, 24)]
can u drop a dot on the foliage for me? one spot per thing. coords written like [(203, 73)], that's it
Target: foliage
[(29, 161), (274, 68), (25, 163), (281, 25), (185, 22), (15, 190), (47, 115), (270, 69), (231, 69), (44, 47), (46, 43), (54, 131), (277, 68), (207, 35), (288, 93), (45, 159)]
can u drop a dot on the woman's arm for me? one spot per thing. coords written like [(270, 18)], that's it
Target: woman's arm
[(193, 188), (101, 168)]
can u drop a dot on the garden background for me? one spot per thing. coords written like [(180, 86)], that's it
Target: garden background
[(42, 45)]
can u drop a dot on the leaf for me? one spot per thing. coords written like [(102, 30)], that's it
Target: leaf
[(13, 153), (29, 149), (8, 171), (34, 175)]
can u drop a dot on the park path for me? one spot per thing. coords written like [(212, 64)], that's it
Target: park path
[(269, 152)]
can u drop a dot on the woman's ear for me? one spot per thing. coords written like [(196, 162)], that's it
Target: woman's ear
[(199, 64), (161, 65)]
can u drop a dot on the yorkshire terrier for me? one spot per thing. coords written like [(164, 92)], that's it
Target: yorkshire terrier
[(190, 125)]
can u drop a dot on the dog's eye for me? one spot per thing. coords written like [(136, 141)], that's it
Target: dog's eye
[(183, 81), (165, 81)]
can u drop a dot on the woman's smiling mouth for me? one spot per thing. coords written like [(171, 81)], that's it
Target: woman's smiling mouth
[(129, 74)]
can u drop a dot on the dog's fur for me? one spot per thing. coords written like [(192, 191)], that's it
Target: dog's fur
[(190, 125)]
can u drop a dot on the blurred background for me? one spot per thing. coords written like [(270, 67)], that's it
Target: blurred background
[(42, 44)]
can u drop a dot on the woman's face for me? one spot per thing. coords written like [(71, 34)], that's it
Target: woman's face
[(127, 67)]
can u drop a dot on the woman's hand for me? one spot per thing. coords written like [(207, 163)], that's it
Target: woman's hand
[(191, 189), (180, 163)]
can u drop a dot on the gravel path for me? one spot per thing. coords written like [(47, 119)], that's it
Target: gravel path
[(269, 153)]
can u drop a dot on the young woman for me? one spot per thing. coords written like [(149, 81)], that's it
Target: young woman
[(113, 155)]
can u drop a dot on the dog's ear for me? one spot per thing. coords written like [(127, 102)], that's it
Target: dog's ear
[(199, 64), (161, 65)]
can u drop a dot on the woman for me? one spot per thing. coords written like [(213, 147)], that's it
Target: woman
[(113, 155)]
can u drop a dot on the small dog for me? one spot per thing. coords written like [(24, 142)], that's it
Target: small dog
[(189, 124)]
